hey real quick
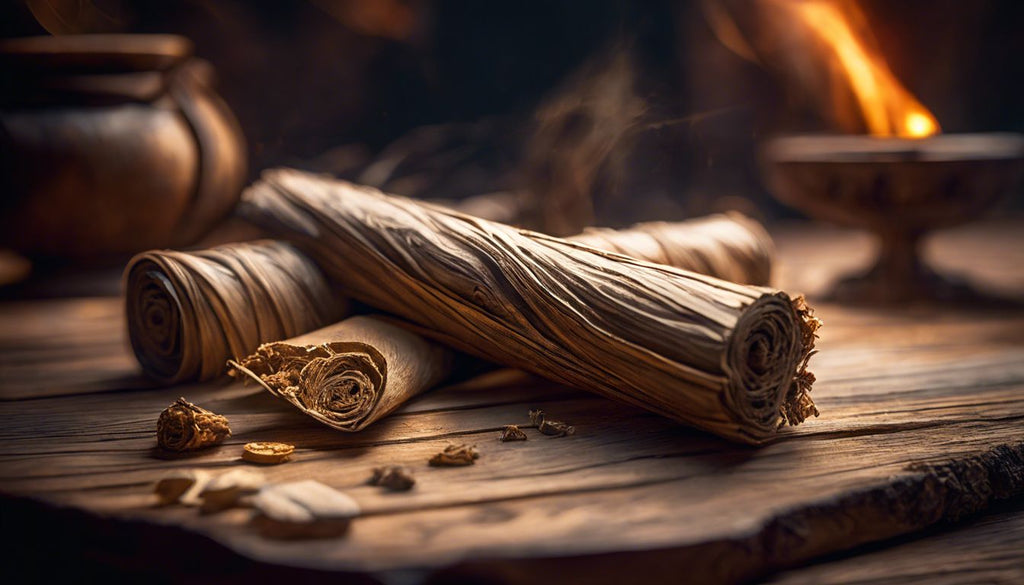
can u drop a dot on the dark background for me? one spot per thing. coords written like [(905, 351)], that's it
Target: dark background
[(330, 84)]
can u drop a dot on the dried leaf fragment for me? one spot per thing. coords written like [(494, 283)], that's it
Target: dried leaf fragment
[(183, 426), (556, 428), (180, 485), (228, 489), (267, 452), (455, 456), (303, 509), (393, 477), (512, 433), (798, 405)]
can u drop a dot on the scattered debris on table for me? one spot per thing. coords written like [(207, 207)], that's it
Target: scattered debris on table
[(181, 486), (303, 509), (555, 428), (228, 489), (267, 453), (536, 417), (394, 478), (455, 456), (512, 433), (183, 426)]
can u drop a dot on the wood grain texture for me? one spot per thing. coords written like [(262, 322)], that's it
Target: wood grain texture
[(922, 407), (61, 347), (727, 358), (987, 550)]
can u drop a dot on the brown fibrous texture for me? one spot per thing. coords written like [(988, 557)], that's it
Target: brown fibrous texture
[(190, 312), (183, 426), (722, 356)]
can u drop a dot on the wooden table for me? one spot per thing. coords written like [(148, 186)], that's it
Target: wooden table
[(922, 413)]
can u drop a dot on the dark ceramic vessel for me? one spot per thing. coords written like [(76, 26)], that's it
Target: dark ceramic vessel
[(112, 144)]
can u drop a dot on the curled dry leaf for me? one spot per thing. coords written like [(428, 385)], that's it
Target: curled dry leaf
[(556, 428), (455, 456), (183, 426)]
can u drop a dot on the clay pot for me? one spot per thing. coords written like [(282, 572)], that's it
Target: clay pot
[(112, 144)]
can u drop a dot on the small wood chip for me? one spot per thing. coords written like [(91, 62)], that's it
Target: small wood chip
[(228, 489), (394, 478), (455, 456), (556, 428), (536, 417), (183, 426), (512, 433), (267, 453), (181, 485), (303, 509)]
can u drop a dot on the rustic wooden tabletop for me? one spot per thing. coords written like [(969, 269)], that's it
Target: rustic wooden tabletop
[(920, 433)]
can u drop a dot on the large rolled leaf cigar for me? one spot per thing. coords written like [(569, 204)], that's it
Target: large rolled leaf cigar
[(189, 312), (349, 374), (720, 356)]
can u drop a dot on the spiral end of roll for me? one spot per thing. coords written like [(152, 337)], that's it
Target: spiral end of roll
[(769, 383), (154, 314), (189, 312), (338, 384)]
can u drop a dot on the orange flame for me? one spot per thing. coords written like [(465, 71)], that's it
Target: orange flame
[(888, 108)]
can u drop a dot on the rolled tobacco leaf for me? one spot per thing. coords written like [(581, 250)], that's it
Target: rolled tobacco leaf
[(189, 312), (730, 246), (721, 356), (349, 374)]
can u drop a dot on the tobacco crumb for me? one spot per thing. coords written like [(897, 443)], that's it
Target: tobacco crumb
[(303, 509), (394, 478), (512, 433), (455, 456), (267, 453), (536, 417), (229, 489), (798, 405), (181, 485), (183, 426), (556, 428)]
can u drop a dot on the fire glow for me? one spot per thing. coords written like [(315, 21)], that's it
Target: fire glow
[(887, 107)]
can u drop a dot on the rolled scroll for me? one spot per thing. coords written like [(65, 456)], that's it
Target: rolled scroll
[(730, 246), (724, 357), (349, 374), (189, 312)]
